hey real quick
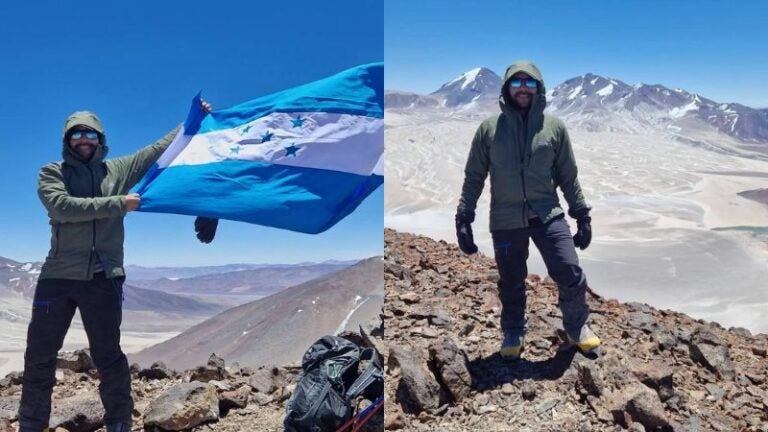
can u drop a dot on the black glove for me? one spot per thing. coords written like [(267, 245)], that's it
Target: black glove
[(464, 232), (583, 236), (206, 228)]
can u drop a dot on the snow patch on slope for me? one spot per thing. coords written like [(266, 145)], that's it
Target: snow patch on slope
[(345, 321)]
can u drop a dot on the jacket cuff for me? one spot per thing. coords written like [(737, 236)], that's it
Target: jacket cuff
[(580, 212)]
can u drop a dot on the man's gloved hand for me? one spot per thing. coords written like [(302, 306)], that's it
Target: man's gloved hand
[(464, 232), (583, 236), (206, 228)]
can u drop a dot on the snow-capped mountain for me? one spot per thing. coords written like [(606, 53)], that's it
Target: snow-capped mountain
[(599, 104), (478, 85), (604, 104), (18, 278)]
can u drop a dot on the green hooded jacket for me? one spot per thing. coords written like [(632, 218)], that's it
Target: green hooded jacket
[(86, 204), (526, 158)]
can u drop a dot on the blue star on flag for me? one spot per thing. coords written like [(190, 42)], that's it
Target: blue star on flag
[(235, 150), (298, 122), (291, 150), (246, 129), (267, 137)]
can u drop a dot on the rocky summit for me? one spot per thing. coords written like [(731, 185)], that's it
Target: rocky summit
[(657, 370), (210, 397)]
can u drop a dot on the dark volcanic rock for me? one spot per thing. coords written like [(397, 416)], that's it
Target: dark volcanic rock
[(11, 379), (708, 350), (157, 371), (214, 370)]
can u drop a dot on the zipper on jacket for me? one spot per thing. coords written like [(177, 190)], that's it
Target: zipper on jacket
[(521, 155), (56, 240), (93, 227)]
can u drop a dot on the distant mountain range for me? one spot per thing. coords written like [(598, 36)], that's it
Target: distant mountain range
[(172, 294), (19, 280), (261, 281), (597, 103), (146, 273), (278, 329)]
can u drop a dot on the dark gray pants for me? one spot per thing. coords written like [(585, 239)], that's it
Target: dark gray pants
[(555, 243), (100, 304)]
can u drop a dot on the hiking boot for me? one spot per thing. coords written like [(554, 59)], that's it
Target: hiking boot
[(118, 427), (512, 346), (587, 341)]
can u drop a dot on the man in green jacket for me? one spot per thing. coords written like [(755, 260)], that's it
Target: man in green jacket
[(528, 155), (87, 198)]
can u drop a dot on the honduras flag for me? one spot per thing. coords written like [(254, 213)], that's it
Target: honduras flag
[(301, 159)]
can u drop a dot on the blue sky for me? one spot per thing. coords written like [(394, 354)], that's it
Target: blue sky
[(137, 65), (714, 48)]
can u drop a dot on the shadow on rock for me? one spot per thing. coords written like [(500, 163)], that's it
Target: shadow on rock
[(494, 371)]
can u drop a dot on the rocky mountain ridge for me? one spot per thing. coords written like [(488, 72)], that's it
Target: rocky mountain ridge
[(658, 369)]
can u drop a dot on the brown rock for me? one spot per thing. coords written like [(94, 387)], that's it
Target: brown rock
[(641, 404), (723, 423), (422, 389), (425, 332), (263, 380), (757, 379), (590, 378), (77, 361), (5, 425), (234, 399), (262, 399), (394, 421), (658, 376), (600, 410), (183, 406), (451, 365)]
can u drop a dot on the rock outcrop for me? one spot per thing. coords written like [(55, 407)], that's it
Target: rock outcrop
[(657, 369)]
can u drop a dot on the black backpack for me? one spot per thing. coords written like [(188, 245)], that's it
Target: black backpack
[(329, 383)]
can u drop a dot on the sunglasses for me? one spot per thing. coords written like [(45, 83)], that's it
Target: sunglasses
[(91, 135), (518, 82)]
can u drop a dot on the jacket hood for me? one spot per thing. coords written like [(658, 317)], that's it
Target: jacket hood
[(538, 103), (91, 121)]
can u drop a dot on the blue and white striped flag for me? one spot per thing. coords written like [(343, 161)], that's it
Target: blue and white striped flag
[(301, 159)]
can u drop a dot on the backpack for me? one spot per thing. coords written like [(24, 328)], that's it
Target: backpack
[(329, 383)]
